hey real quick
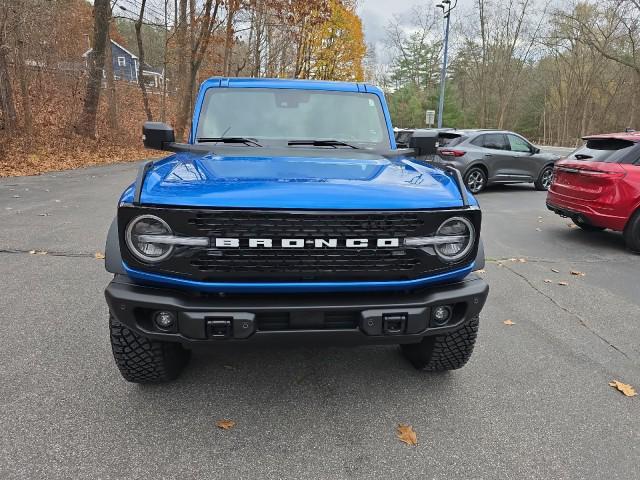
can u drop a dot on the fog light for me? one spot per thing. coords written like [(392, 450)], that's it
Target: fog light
[(164, 320), (441, 315)]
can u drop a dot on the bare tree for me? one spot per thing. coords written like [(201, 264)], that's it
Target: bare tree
[(141, 83), (6, 92), (87, 124)]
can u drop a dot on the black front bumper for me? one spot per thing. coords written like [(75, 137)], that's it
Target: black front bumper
[(335, 318)]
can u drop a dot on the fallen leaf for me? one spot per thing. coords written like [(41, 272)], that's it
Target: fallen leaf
[(42, 252), (626, 389), (546, 280), (572, 225), (226, 424), (563, 284), (481, 271), (509, 322), (538, 229), (43, 214), (539, 218), (577, 274), (555, 271), (522, 260), (513, 259), (406, 434), (99, 255)]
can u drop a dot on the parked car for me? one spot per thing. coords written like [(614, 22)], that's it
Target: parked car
[(486, 157), (291, 215), (598, 185)]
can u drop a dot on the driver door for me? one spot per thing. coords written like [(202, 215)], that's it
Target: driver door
[(521, 163)]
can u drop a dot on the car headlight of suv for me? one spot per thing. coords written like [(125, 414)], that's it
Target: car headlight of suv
[(452, 241), (144, 237)]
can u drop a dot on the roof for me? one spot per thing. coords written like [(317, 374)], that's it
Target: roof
[(304, 84), (629, 136), (117, 45)]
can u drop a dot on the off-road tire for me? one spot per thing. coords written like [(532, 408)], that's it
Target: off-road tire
[(443, 352), (475, 180), (632, 233), (544, 179), (587, 227), (141, 360)]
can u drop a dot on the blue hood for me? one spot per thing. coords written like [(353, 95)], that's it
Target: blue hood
[(348, 180)]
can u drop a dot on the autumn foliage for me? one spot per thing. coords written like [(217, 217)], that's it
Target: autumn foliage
[(46, 76)]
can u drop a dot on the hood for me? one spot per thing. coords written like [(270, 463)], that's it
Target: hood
[(344, 180)]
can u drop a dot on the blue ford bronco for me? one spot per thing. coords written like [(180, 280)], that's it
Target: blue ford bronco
[(290, 215)]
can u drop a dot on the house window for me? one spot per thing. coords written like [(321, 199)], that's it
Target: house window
[(122, 62)]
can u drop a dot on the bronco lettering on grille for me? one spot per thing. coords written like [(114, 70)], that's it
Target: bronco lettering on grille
[(308, 243)]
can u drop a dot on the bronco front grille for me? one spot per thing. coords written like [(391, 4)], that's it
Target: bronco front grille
[(309, 263), (318, 225)]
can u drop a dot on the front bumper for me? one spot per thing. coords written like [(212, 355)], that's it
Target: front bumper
[(336, 318)]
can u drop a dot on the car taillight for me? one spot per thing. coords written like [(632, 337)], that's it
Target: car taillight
[(448, 152)]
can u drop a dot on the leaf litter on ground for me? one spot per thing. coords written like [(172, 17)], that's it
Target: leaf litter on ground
[(225, 424), (509, 322), (626, 389), (406, 434)]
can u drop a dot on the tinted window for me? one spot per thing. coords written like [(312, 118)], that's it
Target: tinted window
[(608, 150), (518, 144), (292, 114), (495, 141), (450, 140)]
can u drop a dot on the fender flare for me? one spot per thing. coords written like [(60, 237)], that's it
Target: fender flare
[(480, 260), (112, 255)]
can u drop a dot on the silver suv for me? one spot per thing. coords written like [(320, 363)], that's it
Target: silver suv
[(486, 157)]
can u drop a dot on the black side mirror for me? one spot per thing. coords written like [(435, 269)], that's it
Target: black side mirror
[(535, 150), (157, 135), (424, 142)]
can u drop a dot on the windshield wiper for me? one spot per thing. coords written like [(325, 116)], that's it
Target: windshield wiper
[(244, 140), (322, 143)]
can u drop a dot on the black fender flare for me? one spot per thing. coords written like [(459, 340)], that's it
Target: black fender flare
[(112, 255), (480, 260)]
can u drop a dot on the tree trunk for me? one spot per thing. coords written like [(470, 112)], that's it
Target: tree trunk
[(6, 93), (182, 73), (87, 123), (228, 39), (143, 87), (111, 87), (21, 70)]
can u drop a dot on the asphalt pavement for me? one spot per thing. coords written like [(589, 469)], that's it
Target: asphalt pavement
[(534, 401)]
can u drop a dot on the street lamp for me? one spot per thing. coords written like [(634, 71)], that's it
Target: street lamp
[(446, 7)]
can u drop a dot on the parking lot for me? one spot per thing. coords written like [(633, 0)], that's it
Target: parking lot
[(534, 402)]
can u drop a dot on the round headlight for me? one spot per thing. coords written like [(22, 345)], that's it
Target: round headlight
[(139, 238), (462, 236)]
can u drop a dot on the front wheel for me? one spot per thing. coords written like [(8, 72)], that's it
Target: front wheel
[(443, 352), (632, 233), (141, 360), (475, 180), (545, 179)]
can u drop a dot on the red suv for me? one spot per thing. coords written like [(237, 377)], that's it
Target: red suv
[(598, 185)]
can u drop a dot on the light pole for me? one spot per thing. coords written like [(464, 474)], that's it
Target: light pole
[(446, 11)]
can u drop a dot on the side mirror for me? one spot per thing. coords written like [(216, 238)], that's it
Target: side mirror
[(424, 142), (535, 150), (157, 135)]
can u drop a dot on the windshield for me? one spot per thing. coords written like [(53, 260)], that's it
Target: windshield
[(277, 116)]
